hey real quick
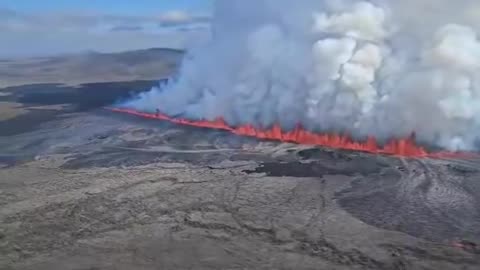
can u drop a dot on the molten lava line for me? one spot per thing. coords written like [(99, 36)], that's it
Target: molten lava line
[(399, 147)]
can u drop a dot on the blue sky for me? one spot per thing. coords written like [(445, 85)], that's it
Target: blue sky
[(49, 27), (109, 6)]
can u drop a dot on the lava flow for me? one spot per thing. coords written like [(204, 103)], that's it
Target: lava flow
[(399, 147)]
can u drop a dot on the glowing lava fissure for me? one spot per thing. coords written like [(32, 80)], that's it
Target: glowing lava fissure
[(399, 147)]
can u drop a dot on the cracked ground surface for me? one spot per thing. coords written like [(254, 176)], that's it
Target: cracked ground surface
[(105, 191)]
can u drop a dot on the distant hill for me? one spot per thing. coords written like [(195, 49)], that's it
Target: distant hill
[(74, 69)]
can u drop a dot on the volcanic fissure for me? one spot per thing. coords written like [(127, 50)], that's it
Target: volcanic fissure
[(406, 147)]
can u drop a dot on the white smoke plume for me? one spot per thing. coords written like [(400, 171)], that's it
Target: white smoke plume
[(383, 68)]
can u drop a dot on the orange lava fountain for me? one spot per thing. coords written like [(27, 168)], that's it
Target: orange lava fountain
[(399, 147)]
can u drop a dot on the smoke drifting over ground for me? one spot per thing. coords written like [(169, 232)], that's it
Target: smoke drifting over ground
[(362, 67)]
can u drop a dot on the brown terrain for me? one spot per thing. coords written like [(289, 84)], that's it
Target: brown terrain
[(82, 188)]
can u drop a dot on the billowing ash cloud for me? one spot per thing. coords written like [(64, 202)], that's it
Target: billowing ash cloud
[(362, 67)]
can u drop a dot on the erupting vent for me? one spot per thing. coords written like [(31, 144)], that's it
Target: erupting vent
[(400, 147)]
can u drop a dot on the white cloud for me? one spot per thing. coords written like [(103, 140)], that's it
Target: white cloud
[(181, 18)]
